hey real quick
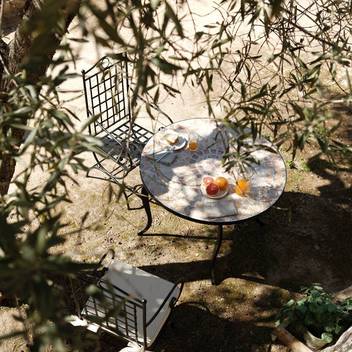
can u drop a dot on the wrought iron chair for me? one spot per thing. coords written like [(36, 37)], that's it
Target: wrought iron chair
[(131, 304), (106, 89)]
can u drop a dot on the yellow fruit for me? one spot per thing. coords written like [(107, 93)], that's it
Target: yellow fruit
[(222, 183)]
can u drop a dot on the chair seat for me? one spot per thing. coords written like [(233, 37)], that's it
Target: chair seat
[(139, 285), (123, 147)]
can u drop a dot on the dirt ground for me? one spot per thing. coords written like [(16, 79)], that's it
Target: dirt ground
[(306, 238)]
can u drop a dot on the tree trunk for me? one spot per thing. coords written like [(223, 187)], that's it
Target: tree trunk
[(4, 53), (6, 172), (12, 15), (21, 50)]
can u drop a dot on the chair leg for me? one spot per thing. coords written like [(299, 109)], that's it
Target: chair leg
[(146, 205), (215, 254), (134, 191)]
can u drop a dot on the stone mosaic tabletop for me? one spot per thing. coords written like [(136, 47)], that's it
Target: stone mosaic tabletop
[(173, 174)]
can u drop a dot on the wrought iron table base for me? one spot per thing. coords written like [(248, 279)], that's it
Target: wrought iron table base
[(146, 206), (215, 255)]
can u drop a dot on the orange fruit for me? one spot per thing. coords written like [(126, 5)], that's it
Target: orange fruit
[(221, 182), (242, 187)]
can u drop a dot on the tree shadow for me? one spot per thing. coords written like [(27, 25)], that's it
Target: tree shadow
[(192, 327), (336, 175), (306, 239), (308, 242), (200, 330)]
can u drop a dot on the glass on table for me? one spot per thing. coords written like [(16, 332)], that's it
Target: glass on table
[(242, 185), (193, 141)]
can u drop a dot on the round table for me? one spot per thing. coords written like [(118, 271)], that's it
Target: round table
[(172, 175)]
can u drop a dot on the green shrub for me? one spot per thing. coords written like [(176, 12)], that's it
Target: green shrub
[(318, 313)]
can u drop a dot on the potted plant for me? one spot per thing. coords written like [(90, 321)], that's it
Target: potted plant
[(316, 317)]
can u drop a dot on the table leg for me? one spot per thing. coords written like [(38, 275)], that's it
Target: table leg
[(260, 222), (146, 205), (215, 254)]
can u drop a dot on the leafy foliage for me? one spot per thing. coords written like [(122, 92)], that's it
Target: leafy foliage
[(318, 313)]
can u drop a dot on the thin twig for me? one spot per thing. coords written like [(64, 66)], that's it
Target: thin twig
[(1, 16)]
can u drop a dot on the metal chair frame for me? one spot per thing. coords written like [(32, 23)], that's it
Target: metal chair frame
[(106, 90), (115, 310)]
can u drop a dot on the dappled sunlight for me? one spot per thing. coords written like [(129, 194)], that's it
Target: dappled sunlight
[(273, 70)]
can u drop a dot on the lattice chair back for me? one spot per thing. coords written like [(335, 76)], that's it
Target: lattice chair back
[(106, 88), (118, 313)]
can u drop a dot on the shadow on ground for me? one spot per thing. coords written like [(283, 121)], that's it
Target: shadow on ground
[(305, 239), (203, 331), (191, 321)]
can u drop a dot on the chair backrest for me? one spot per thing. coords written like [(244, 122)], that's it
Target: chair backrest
[(106, 89), (115, 311)]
